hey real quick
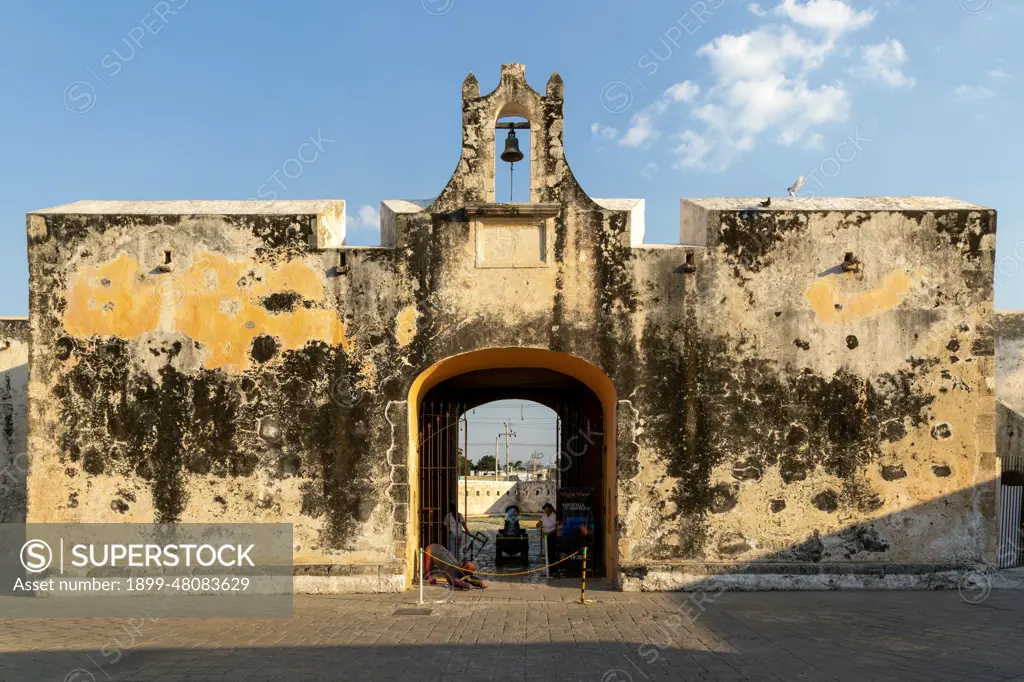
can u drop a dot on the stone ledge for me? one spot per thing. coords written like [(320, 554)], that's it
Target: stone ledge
[(328, 570), (641, 570), (195, 208), (498, 210), (348, 584), (843, 204)]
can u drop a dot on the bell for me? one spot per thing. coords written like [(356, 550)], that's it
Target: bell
[(511, 153)]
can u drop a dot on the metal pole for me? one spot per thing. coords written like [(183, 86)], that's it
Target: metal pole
[(465, 478), (506, 451), (421, 575), (496, 439), (547, 560), (558, 451)]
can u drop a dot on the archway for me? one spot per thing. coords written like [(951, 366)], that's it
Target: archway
[(581, 394)]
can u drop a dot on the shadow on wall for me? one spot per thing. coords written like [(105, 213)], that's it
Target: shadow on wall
[(888, 552)]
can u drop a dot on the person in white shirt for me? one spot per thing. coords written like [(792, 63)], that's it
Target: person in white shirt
[(548, 526), (456, 524)]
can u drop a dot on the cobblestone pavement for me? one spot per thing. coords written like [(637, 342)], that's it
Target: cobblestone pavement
[(528, 632), (486, 559)]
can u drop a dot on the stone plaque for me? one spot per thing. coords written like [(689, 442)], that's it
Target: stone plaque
[(512, 245)]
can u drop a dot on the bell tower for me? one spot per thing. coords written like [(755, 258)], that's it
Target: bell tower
[(474, 178), (470, 196)]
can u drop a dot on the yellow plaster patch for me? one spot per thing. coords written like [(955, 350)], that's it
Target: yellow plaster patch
[(206, 302), (824, 294), (406, 325)]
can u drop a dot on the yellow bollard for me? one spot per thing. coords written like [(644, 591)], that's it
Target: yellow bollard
[(583, 585)]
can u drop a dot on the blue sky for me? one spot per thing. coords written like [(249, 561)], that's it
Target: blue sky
[(187, 99), (531, 428)]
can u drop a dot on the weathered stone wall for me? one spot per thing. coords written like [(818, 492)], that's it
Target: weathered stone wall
[(207, 393), (772, 407), (1010, 392), (14, 335), (1010, 359), (798, 413), (264, 377), (1010, 440)]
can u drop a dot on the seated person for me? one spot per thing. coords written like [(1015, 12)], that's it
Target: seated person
[(455, 574)]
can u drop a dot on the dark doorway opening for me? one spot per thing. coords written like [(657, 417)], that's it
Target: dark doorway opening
[(580, 439)]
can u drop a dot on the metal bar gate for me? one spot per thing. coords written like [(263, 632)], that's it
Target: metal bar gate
[(1011, 506), (438, 469)]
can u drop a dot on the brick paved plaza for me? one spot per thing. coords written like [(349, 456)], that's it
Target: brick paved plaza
[(529, 632)]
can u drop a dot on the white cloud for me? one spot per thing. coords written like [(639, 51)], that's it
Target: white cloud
[(972, 93), (649, 170), (834, 16), (642, 129), (762, 87), (603, 132), (693, 150), (884, 63), (761, 53), (367, 218), (765, 85), (997, 73), (683, 92)]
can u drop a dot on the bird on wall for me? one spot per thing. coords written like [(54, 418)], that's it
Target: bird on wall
[(766, 203), (796, 186)]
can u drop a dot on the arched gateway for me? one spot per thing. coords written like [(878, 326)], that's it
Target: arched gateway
[(805, 387), (582, 396)]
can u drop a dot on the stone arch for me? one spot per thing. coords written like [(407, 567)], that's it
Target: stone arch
[(592, 377)]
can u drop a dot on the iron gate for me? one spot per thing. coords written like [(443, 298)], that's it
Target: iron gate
[(438, 469), (1011, 513)]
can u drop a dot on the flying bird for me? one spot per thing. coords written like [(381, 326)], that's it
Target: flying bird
[(766, 203), (796, 186)]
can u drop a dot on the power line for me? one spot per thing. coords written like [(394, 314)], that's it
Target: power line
[(513, 445), (500, 420)]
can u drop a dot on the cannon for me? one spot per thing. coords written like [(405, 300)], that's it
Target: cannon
[(512, 540)]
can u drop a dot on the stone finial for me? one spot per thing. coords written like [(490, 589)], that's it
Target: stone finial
[(556, 88), (513, 72), (470, 87)]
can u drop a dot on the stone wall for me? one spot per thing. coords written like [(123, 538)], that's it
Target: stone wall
[(1010, 359), (14, 335), (1010, 391), (1010, 441), (822, 413), (774, 406), (493, 497)]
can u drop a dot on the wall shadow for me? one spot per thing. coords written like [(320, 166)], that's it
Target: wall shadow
[(923, 546)]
